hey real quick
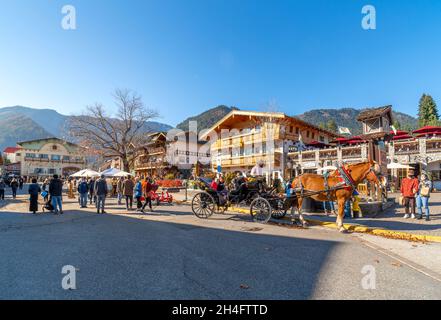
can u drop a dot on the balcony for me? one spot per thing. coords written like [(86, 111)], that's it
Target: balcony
[(407, 148), (351, 152)]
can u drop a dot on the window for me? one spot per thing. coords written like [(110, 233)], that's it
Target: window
[(322, 139), (54, 147), (56, 157), (52, 171), (30, 155), (66, 158), (307, 134), (313, 135), (297, 130), (43, 156)]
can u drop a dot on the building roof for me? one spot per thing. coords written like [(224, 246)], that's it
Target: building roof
[(39, 143), (373, 113), (11, 150), (269, 115)]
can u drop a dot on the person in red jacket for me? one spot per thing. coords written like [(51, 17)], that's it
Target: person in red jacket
[(147, 188), (409, 188)]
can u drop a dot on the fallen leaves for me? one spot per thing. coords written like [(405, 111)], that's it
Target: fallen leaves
[(244, 286)]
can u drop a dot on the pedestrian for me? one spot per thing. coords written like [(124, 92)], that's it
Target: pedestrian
[(114, 187), (56, 193), (14, 187), (44, 188), (83, 190), (409, 188), (101, 191), (34, 191), (147, 189), (119, 189), (91, 187), (422, 199), (2, 189), (20, 183), (127, 191), (138, 194)]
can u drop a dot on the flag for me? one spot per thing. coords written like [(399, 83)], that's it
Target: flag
[(344, 130), (394, 130)]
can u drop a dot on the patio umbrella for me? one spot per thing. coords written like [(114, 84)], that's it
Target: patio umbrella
[(428, 129), (395, 165), (327, 168), (78, 174), (122, 174), (110, 172), (402, 137), (90, 173)]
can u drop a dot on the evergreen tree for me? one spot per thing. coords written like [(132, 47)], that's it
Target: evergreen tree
[(331, 125), (427, 111)]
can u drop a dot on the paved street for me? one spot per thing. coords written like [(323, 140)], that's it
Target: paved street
[(173, 255)]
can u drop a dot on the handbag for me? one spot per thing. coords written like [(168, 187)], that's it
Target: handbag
[(425, 191)]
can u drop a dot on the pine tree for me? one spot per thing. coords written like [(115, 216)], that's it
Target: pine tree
[(427, 111), (331, 125)]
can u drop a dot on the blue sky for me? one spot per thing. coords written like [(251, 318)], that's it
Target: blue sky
[(185, 56)]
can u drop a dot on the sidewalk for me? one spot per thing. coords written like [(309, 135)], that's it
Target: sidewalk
[(393, 220)]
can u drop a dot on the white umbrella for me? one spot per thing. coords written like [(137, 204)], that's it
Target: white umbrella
[(90, 173), (122, 174), (110, 172), (395, 165), (327, 168), (78, 174)]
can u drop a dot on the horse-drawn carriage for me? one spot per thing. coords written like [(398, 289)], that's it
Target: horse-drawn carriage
[(262, 201), (265, 204)]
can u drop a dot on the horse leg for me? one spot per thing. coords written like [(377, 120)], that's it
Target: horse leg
[(341, 212), (303, 222)]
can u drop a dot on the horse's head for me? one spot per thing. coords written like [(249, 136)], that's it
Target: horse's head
[(360, 171)]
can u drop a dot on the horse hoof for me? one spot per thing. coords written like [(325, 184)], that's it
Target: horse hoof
[(343, 230), (305, 224)]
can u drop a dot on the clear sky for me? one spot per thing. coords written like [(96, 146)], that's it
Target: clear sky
[(185, 56)]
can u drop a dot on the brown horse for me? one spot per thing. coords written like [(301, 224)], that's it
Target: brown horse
[(315, 183)]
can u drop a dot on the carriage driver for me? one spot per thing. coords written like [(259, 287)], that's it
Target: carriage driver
[(257, 170)]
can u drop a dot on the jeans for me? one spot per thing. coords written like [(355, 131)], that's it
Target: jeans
[(129, 202), (92, 198), (148, 202), (119, 197), (423, 202), (100, 202), (83, 199), (409, 203), (56, 203), (328, 204), (14, 193)]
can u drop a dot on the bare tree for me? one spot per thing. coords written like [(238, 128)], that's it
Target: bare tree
[(116, 136)]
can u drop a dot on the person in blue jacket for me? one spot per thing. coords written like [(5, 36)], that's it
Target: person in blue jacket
[(83, 190), (138, 194)]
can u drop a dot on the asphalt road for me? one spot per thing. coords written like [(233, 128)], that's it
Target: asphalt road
[(173, 255)]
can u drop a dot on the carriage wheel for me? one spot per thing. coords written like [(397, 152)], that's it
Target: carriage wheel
[(260, 210), (203, 205), (278, 209)]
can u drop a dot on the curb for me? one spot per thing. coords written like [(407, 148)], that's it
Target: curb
[(385, 233)]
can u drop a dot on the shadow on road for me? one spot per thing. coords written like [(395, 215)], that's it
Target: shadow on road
[(124, 258)]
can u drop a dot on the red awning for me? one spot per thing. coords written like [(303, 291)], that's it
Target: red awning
[(317, 144), (428, 129), (434, 133), (402, 137), (399, 133)]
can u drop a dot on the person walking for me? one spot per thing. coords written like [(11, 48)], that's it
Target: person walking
[(127, 192), (14, 187), (138, 193), (422, 199), (83, 190), (101, 191), (147, 189), (56, 193), (119, 189), (44, 188), (2, 189), (34, 191), (409, 188), (91, 187)]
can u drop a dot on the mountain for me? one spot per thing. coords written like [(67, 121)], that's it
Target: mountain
[(208, 118), (346, 117), (23, 123)]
